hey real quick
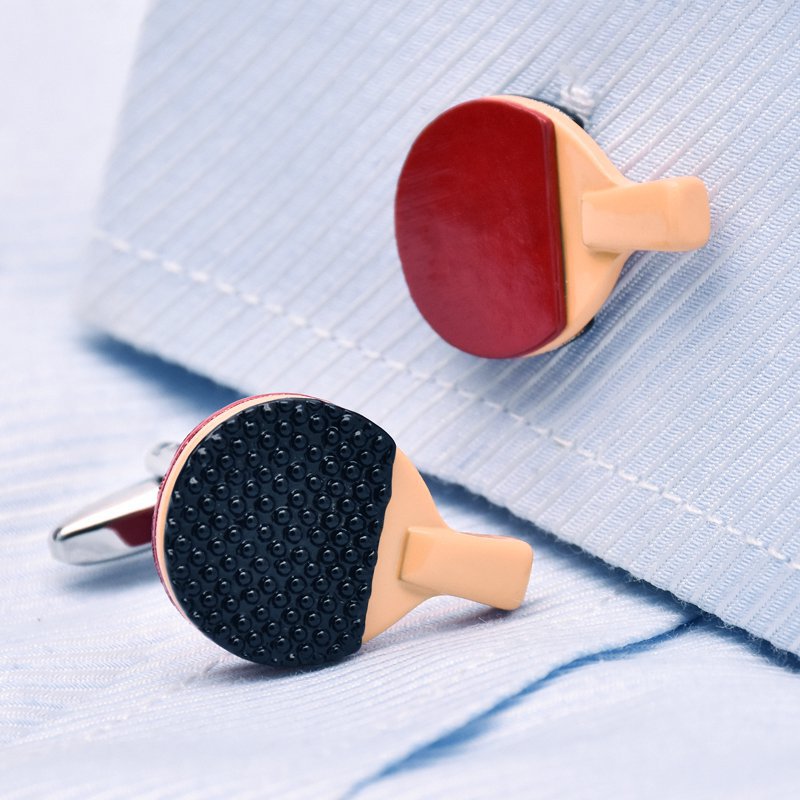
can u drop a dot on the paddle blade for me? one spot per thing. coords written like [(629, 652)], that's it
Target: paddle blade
[(478, 228)]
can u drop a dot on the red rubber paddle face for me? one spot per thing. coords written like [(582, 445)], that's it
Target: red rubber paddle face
[(478, 228)]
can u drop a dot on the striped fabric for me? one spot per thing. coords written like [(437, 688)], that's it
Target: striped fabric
[(599, 686), (670, 719), (246, 233)]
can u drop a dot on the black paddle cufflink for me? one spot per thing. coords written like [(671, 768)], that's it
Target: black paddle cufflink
[(290, 531)]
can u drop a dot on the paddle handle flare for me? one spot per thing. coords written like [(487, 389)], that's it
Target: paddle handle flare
[(670, 214), (494, 570)]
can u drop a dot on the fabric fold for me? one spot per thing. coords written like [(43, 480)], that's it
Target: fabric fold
[(246, 233)]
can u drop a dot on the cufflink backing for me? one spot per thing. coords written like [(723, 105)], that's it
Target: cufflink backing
[(290, 531), (512, 225), (118, 525)]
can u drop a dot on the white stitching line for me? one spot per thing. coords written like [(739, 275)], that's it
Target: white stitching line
[(148, 256)]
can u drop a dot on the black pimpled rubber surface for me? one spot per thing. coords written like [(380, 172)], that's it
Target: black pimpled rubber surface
[(272, 530)]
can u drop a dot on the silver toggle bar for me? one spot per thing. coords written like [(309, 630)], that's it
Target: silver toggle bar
[(117, 526)]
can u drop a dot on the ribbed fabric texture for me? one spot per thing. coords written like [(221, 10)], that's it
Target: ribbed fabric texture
[(246, 233), (669, 715), (105, 692)]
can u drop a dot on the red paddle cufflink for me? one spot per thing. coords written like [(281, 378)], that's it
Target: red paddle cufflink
[(512, 225), (290, 530)]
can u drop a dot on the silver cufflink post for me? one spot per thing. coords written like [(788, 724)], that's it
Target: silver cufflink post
[(119, 525)]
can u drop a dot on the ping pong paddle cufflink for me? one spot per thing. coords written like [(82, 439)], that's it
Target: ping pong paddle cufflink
[(512, 225), (290, 531)]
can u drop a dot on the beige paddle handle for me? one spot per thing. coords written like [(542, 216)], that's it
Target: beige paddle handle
[(670, 214), (487, 569)]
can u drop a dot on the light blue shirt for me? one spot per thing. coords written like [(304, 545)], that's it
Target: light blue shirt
[(226, 252), (246, 233)]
